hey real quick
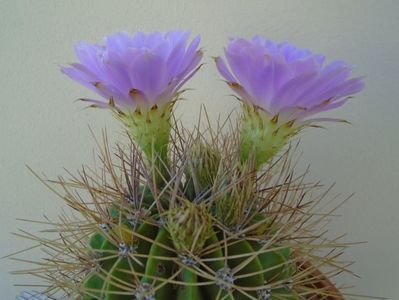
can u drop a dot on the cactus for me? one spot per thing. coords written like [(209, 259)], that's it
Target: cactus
[(184, 252), (243, 236), (208, 214)]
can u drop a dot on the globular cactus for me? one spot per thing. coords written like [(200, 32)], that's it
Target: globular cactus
[(243, 236)]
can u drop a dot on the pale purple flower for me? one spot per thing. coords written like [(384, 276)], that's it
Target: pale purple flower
[(284, 80), (140, 69)]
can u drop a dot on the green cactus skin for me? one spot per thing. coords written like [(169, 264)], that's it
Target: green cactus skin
[(92, 285), (254, 266), (119, 274), (284, 294), (123, 266), (160, 268), (118, 268), (189, 291), (96, 241), (213, 291), (144, 246)]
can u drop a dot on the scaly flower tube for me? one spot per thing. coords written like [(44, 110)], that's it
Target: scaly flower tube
[(281, 88), (139, 77)]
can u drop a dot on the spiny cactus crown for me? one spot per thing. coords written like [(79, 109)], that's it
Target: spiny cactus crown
[(244, 235)]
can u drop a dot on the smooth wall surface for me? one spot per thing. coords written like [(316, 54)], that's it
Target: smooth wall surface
[(42, 126)]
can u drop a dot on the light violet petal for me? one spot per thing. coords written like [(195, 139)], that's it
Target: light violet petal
[(288, 94), (316, 92), (193, 64), (189, 56), (148, 74), (223, 70), (193, 69), (320, 108)]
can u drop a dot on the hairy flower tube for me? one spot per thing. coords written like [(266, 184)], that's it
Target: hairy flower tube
[(139, 77), (281, 88)]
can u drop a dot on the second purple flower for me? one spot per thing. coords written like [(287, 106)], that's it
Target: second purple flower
[(281, 88)]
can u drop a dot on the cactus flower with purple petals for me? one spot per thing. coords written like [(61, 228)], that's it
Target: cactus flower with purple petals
[(282, 87), (139, 77), (143, 69)]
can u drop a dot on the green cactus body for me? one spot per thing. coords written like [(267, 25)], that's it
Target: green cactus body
[(210, 225), (152, 270), (276, 263)]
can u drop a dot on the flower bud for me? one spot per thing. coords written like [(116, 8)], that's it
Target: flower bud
[(189, 227), (204, 164)]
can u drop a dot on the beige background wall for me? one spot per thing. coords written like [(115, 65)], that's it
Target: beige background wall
[(40, 124)]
